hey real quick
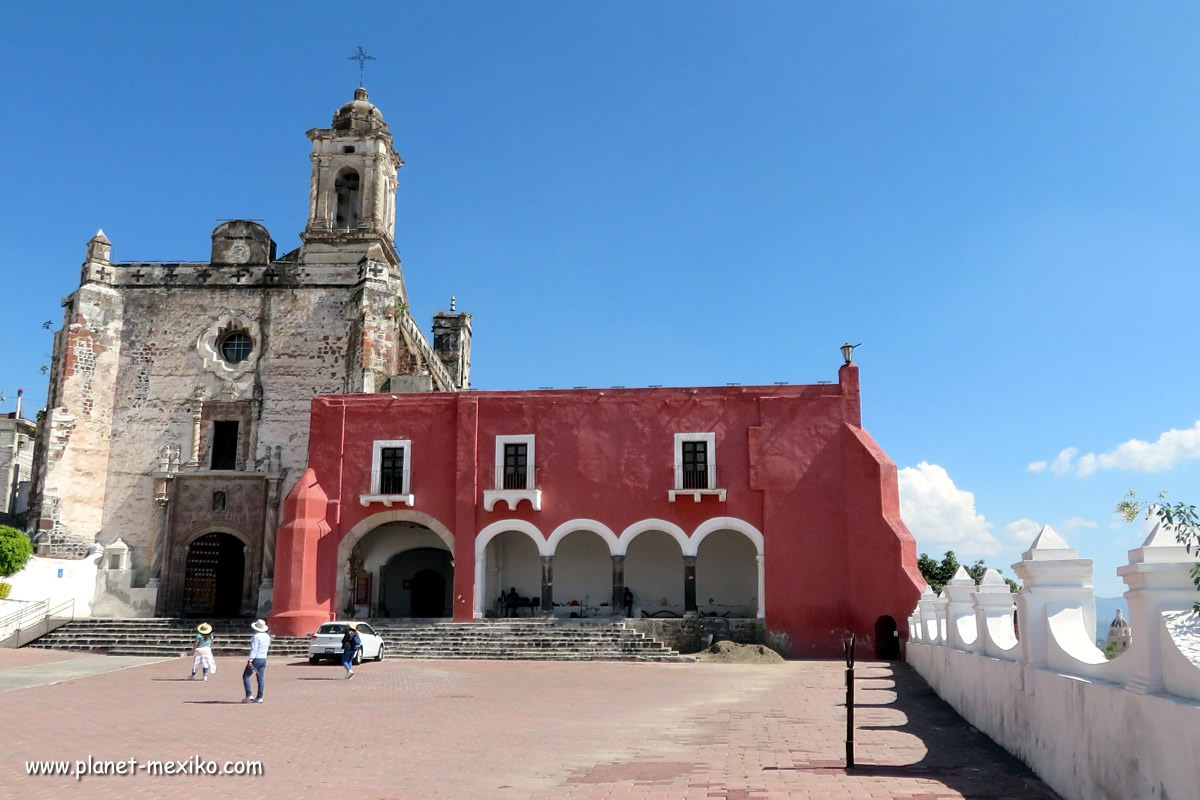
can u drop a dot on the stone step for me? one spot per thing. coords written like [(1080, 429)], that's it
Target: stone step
[(535, 639)]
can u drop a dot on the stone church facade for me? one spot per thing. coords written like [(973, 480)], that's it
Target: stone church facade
[(177, 414)]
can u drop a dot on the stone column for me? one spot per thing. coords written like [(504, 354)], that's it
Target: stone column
[(618, 595), (689, 587), (197, 416), (548, 586)]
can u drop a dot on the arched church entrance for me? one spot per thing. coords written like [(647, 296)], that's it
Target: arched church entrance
[(399, 569), (654, 575), (214, 576)]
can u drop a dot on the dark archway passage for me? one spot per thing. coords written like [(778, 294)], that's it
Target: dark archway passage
[(417, 583), (214, 576), (887, 643), (428, 594)]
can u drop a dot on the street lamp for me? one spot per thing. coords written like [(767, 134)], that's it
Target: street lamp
[(848, 351)]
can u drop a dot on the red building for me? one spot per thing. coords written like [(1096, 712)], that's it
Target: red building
[(768, 502)]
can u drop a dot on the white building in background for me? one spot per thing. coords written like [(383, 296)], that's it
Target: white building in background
[(16, 466)]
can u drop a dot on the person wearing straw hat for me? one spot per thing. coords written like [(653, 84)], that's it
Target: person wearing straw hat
[(351, 644), (256, 662), (202, 657)]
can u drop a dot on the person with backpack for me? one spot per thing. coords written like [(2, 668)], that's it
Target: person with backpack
[(351, 644)]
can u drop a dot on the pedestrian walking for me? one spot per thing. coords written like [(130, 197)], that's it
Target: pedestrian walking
[(202, 657), (256, 662), (351, 644)]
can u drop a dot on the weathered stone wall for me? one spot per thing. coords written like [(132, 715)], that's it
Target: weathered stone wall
[(77, 430), (685, 635)]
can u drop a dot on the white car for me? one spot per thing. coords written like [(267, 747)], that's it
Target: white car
[(327, 643)]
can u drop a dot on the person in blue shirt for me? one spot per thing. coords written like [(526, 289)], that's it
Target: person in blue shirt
[(256, 662), (351, 644)]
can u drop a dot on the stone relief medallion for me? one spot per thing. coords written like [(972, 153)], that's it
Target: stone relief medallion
[(230, 346), (239, 253)]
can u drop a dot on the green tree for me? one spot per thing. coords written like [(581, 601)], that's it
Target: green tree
[(938, 573), (1180, 517), (15, 550)]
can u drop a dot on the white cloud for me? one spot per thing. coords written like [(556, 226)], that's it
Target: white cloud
[(1160, 455), (1062, 463), (1079, 522), (939, 514), (1021, 532), (1037, 466)]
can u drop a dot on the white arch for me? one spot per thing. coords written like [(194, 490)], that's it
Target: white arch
[(637, 528), (491, 532), (562, 531), (368, 524), (725, 524)]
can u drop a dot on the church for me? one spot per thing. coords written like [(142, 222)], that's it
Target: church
[(179, 392), (274, 435)]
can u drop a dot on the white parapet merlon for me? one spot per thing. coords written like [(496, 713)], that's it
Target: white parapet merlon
[(1159, 579), (1091, 728), (960, 611), (941, 607), (994, 609), (1055, 579), (926, 611)]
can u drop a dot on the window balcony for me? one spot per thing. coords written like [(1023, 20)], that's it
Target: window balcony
[(389, 487), (511, 485), (695, 481)]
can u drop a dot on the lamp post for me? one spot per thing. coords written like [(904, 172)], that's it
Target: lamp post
[(848, 351), (848, 644)]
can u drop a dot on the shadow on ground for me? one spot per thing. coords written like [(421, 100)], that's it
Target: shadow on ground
[(957, 755)]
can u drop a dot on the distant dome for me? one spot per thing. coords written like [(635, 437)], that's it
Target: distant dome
[(359, 115), (1119, 622)]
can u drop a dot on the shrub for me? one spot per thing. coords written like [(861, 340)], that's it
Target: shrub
[(5, 588), (15, 550)]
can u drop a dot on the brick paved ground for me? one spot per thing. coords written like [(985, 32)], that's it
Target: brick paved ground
[(461, 729)]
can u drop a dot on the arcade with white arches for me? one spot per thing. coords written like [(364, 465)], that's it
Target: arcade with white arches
[(652, 568)]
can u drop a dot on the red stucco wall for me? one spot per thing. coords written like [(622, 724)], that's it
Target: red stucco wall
[(795, 465)]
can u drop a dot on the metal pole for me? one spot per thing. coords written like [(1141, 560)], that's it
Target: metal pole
[(849, 644)]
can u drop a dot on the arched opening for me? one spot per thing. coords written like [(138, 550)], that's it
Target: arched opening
[(512, 563), (727, 575), (654, 574), (214, 576), (582, 575), (382, 571), (417, 583), (347, 211), (887, 641)]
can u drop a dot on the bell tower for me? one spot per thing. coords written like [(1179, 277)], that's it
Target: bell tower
[(354, 166)]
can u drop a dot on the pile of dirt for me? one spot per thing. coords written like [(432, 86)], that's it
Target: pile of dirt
[(734, 653)]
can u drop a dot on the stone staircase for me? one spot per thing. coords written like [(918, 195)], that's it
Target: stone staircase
[(509, 639)]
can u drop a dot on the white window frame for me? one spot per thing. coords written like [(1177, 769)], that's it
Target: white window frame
[(374, 496), (511, 497), (710, 458)]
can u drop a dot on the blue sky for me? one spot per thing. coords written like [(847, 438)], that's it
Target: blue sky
[(999, 200)]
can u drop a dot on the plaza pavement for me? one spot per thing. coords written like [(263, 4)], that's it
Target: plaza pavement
[(508, 729)]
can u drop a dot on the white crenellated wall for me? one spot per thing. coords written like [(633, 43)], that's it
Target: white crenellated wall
[(1093, 729)]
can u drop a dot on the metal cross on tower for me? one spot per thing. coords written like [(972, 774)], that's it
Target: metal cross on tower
[(362, 58)]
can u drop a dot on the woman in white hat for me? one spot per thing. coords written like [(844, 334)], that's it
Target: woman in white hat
[(256, 662), (202, 657)]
